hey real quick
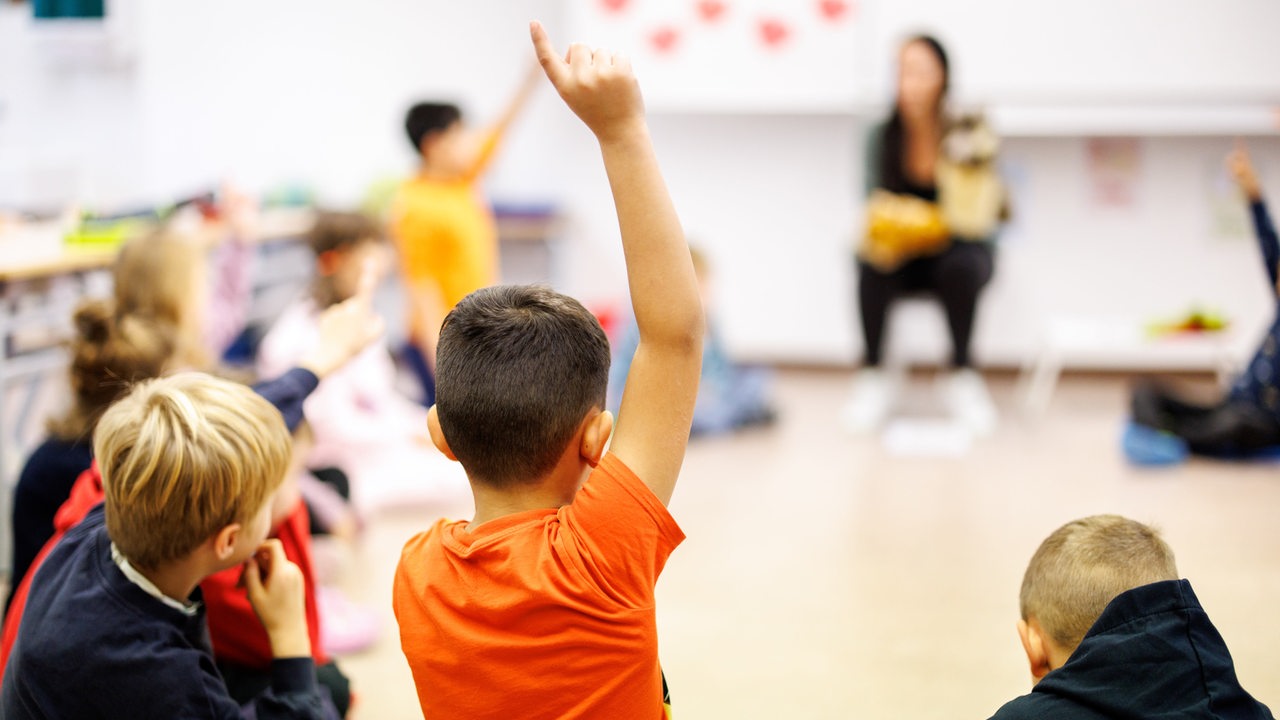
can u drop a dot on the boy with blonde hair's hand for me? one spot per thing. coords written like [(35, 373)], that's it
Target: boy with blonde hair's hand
[(1111, 632), (275, 589), (542, 605)]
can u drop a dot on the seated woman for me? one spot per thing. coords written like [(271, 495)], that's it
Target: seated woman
[(903, 158), (1247, 419)]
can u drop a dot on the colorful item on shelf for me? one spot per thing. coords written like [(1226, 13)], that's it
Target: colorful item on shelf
[(1195, 320)]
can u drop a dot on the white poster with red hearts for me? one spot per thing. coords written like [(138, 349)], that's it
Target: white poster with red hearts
[(713, 56)]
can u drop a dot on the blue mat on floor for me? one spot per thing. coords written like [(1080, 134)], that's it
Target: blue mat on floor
[(1149, 447)]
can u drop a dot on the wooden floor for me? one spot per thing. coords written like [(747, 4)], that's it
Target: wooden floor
[(824, 577)]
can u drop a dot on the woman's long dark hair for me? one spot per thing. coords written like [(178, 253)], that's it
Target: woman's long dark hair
[(893, 175)]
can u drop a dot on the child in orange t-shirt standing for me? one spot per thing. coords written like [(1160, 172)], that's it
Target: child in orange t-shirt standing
[(542, 605), (445, 231)]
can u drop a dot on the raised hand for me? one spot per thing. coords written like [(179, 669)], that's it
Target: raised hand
[(347, 327), (662, 386), (1241, 169), (597, 85)]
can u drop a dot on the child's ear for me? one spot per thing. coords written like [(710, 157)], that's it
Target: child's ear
[(224, 542), (437, 435), (1034, 644), (595, 437)]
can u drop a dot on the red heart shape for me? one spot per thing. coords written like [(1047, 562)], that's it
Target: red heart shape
[(664, 39), (711, 10), (833, 10), (614, 6), (774, 32)]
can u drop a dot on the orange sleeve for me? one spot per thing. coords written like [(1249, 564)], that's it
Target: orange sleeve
[(623, 532), (484, 155)]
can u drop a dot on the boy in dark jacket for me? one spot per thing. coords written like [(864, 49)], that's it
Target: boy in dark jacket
[(1111, 632)]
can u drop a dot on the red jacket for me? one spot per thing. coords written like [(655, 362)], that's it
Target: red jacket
[(237, 634)]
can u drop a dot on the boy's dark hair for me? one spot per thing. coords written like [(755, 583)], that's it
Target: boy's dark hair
[(429, 117), (517, 369), (337, 230)]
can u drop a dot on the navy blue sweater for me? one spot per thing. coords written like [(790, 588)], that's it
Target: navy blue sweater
[(1152, 654), (94, 644), (42, 487), (1260, 383)]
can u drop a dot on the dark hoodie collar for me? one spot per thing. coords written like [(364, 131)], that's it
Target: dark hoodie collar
[(1153, 653)]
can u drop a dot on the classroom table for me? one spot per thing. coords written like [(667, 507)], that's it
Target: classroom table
[(1116, 341)]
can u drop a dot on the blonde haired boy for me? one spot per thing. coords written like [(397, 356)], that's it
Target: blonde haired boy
[(542, 605), (114, 626), (1111, 632)]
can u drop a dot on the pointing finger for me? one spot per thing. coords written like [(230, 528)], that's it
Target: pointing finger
[(552, 64)]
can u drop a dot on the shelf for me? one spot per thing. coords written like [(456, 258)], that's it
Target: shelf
[(1144, 120), (1069, 119)]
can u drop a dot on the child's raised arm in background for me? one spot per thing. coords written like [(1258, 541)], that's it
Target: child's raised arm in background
[(657, 404), (1241, 168), (491, 136), (447, 236), (1167, 424)]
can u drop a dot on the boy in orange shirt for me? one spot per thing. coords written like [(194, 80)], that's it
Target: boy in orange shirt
[(443, 227), (542, 606)]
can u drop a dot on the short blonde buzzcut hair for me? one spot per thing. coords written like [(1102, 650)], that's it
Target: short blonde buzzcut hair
[(1083, 566), (183, 457)]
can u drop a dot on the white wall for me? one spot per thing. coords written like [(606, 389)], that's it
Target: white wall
[(67, 130), (316, 91), (267, 93), (774, 201), (260, 93), (1013, 51)]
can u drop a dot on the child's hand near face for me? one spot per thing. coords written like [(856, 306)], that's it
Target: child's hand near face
[(277, 594), (348, 327), (1241, 169)]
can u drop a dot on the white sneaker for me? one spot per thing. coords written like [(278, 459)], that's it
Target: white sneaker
[(966, 396), (874, 394)]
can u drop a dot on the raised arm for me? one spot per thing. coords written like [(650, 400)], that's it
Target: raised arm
[(493, 135), (1241, 168), (521, 98), (346, 329), (662, 387)]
